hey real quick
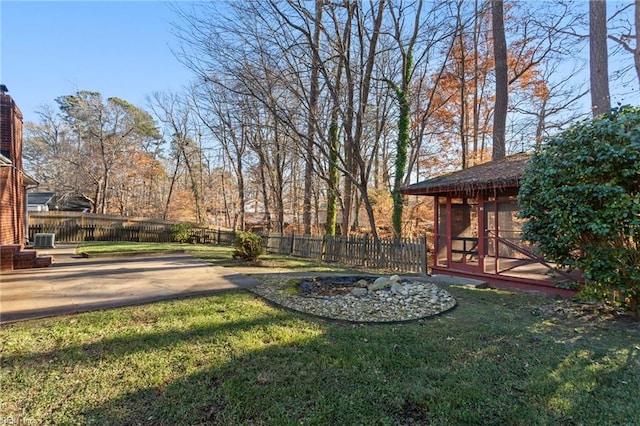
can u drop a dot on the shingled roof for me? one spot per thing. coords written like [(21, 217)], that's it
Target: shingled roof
[(40, 198), (499, 174)]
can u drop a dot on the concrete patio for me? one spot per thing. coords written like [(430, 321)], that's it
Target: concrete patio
[(78, 284)]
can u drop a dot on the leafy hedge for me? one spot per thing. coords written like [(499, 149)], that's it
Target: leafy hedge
[(581, 196)]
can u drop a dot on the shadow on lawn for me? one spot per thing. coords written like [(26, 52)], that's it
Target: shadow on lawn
[(139, 342), (491, 361), (445, 371)]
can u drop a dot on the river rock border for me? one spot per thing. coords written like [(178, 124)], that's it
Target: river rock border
[(402, 300)]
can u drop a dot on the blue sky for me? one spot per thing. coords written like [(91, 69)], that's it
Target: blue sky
[(117, 48)]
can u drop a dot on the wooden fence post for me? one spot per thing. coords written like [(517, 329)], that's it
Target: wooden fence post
[(323, 249), (365, 247), (424, 254)]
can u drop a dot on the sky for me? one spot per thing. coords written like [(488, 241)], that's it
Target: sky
[(118, 48)]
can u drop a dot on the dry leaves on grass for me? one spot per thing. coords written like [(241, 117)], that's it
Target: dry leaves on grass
[(589, 315)]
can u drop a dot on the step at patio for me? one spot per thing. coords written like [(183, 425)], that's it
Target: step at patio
[(13, 257), (449, 279), (42, 262), (6, 256), (24, 259)]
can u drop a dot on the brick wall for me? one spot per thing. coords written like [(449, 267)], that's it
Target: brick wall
[(12, 190)]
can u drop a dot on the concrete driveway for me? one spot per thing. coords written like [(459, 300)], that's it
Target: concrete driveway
[(76, 284)]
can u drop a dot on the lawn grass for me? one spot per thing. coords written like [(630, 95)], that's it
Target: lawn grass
[(216, 255), (112, 248), (500, 358)]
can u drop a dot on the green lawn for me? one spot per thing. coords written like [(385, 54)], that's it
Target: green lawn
[(217, 255), (500, 358)]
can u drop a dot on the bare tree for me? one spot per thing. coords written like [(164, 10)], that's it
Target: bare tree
[(47, 148), (176, 114), (419, 39), (312, 84), (228, 121), (358, 33), (553, 109), (313, 114), (402, 92), (629, 33), (106, 133)]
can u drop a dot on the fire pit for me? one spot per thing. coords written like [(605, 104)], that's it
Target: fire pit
[(332, 286), (358, 298)]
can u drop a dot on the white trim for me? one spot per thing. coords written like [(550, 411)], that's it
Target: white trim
[(4, 161)]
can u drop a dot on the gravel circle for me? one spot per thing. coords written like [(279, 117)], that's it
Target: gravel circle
[(412, 300)]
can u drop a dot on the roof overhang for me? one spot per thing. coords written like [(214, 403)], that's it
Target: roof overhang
[(492, 176), (4, 161), (28, 180)]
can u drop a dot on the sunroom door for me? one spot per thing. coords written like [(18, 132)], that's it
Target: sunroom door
[(457, 233), (463, 245)]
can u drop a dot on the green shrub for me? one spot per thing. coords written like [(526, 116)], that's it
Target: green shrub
[(181, 233), (581, 196), (247, 246)]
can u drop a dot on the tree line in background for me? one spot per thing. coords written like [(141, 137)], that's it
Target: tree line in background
[(309, 116)]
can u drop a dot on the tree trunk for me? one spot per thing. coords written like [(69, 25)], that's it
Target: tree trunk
[(502, 97), (464, 144), (404, 123), (363, 101), (476, 86), (195, 190), (105, 188), (636, 53), (598, 57), (241, 195), (97, 197), (542, 115), (265, 193), (332, 187), (404, 119), (311, 125), (171, 185), (225, 203), (350, 164)]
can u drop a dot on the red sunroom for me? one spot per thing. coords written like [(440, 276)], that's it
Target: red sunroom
[(477, 228)]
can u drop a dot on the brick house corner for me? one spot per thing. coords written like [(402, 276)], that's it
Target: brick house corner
[(13, 181)]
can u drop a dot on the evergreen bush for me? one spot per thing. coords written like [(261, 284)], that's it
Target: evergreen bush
[(581, 196), (248, 246), (181, 233)]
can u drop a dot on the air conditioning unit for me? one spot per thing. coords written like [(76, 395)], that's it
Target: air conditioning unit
[(44, 240)]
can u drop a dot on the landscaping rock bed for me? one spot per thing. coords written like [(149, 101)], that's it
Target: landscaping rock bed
[(357, 298)]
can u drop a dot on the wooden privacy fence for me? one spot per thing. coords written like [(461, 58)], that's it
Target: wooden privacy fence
[(73, 227), (74, 233), (401, 255)]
